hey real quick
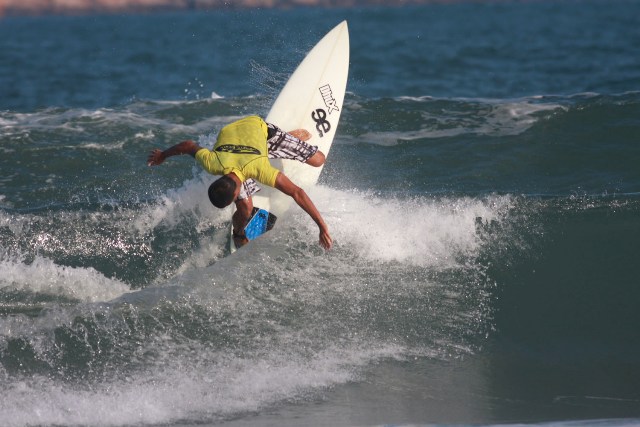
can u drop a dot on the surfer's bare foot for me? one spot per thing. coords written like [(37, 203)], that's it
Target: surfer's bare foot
[(302, 134)]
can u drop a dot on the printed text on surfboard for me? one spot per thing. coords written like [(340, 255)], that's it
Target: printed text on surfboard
[(329, 100), (319, 115)]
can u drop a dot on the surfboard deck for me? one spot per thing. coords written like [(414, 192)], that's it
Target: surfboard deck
[(312, 100)]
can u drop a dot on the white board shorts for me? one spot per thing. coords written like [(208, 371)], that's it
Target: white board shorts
[(280, 145)]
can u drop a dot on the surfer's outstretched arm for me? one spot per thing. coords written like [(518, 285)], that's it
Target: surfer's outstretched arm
[(185, 147), (285, 185)]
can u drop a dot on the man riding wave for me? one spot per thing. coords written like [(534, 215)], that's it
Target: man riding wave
[(241, 155)]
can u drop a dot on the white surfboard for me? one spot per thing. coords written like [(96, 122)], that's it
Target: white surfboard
[(312, 100)]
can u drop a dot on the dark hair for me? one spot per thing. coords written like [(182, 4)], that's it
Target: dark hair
[(221, 192)]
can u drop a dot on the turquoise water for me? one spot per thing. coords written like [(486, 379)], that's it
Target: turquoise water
[(482, 192)]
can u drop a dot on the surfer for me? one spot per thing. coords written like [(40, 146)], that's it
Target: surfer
[(240, 155)]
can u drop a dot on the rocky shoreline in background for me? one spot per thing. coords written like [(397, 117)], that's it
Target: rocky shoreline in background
[(78, 7)]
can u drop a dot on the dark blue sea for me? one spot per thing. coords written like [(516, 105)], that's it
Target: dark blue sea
[(483, 192)]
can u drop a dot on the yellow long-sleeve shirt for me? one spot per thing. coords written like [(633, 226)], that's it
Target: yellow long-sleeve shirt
[(241, 148)]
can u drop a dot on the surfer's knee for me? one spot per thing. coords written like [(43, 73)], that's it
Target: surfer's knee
[(317, 159)]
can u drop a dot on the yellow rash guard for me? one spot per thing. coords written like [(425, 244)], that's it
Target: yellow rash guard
[(241, 148)]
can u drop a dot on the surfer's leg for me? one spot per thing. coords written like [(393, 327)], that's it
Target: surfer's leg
[(283, 145), (244, 208), (240, 219)]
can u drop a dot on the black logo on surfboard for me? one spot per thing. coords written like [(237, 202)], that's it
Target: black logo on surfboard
[(322, 124)]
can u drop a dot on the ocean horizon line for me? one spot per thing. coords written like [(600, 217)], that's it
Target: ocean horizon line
[(15, 8)]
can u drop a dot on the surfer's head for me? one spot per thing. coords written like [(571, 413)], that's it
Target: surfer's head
[(222, 192)]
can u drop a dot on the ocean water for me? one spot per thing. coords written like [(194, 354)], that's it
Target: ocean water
[(483, 193)]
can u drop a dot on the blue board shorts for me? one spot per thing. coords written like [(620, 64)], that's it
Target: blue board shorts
[(280, 145)]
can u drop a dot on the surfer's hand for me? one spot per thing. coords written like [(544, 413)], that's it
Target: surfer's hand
[(155, 158), (325, 239)]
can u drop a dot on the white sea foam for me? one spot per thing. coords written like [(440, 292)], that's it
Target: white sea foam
[(104, 147), (148, 135), (80, 120), (189, 199), (44, 276), (491, 117), (193, 381), (421, 231), (184, 393)]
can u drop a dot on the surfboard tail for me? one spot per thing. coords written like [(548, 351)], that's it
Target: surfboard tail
[(261, 221)]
